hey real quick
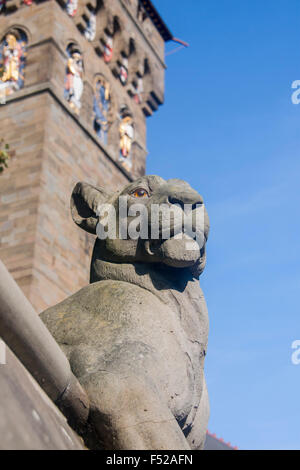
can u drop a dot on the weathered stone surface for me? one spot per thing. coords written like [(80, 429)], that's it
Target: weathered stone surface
[(136, 338), (28, 418)]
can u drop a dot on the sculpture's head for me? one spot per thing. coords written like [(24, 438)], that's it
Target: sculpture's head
[(11, 41), (149, 221)]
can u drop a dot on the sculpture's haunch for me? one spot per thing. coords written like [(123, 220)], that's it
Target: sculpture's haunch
[(136, 337)]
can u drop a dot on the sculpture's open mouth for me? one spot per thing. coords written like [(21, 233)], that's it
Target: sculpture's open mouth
[(178, 251)]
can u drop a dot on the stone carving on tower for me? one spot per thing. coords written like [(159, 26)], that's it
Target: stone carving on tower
[(123, 53), (90, 30), (108, 48), (123, 74), (108, 38), (126, 130), (138, 89), (71, 7), (141, 12), (74, 78), (12, 63), (90, 19), (101, 107)]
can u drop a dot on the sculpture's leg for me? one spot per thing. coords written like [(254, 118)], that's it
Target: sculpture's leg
[(126, 413), (197, 435)]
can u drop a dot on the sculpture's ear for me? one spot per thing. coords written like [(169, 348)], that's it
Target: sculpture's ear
[(85, 200)]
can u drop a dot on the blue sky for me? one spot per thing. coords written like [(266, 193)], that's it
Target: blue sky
[(229, 128)]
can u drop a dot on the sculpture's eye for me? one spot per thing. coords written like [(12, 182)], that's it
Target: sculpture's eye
[(140, 192)]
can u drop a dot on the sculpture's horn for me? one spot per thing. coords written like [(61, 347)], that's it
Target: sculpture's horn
[(85, 200)]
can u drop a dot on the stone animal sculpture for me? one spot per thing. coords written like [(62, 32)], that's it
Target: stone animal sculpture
[(136, 337)]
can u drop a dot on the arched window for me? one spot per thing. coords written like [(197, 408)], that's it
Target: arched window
[(126, 132), (12, 62), (74, 78), (101, 107)]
